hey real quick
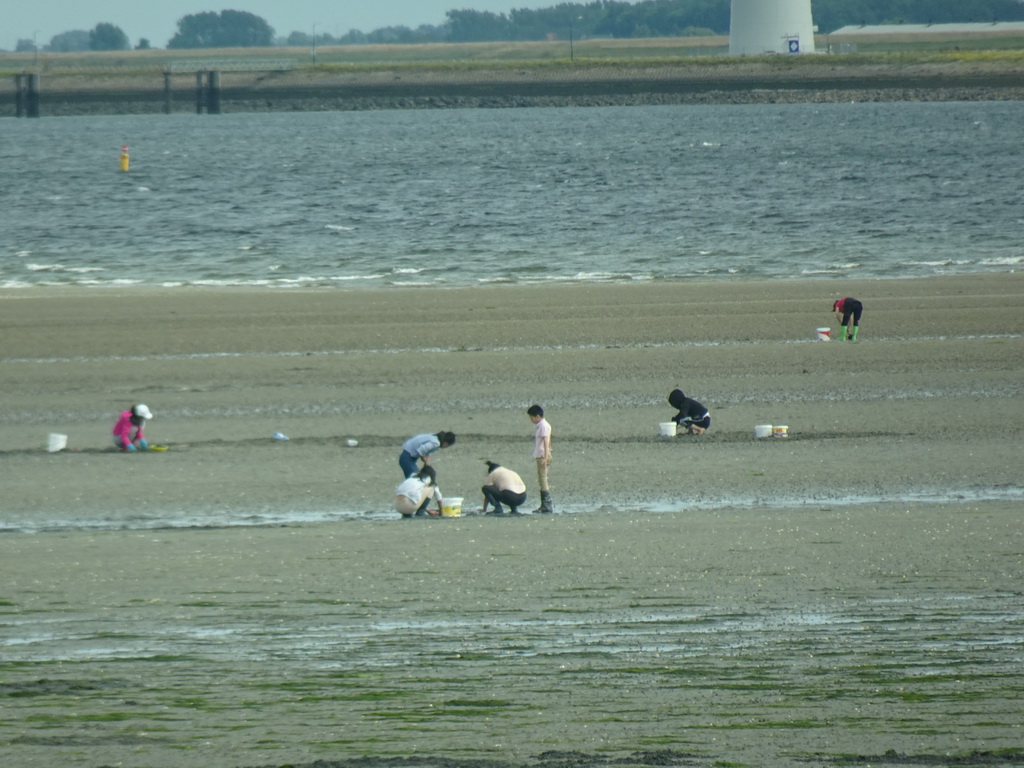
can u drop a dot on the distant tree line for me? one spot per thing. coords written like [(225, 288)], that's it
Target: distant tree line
[(598, 18), (663, 18), (227, 29), (103, 37)]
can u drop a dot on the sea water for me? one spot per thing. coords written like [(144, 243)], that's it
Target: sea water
[(467, 197)]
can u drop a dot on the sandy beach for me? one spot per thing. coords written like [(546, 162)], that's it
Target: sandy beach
[(853, 589), (929, 398)]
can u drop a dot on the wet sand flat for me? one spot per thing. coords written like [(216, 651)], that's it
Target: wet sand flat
[(760, 637), (853, 589), (927, 404)]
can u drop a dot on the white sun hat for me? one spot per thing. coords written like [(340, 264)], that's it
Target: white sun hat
[(143, 411)]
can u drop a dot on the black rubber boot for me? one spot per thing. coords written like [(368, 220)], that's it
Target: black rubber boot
[(546, 507)]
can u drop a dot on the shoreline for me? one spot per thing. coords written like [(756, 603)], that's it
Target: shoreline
[(341, 89)]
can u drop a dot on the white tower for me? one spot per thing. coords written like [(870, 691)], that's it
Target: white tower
[(770, 26)]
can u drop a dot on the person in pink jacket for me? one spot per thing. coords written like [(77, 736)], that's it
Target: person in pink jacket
[(128, 431)]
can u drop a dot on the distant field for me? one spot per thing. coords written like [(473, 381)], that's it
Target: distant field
[(466, 54), (376, 55), (913, 43)]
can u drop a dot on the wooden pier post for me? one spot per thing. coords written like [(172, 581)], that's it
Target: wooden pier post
[(32, 97), (200, 94), (19, 96), (213, 93), (167, 93)]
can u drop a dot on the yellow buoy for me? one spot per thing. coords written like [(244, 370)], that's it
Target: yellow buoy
[(125, 160)]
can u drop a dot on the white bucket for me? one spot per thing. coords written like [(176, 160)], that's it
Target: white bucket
[(763, 430), (451, 506), (56, 442), (667, 429), (780, 431), (824, 334)]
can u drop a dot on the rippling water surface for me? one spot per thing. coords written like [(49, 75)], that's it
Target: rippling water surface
[(462, 197)]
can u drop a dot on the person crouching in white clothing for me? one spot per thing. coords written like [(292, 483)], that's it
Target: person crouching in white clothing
[(413, 495)]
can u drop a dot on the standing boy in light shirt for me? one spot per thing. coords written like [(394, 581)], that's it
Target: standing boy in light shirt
[(542, 454)]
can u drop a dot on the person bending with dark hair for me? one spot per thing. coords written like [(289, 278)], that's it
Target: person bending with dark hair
[(413, 495), (419, 447), (848, 310), (692, 416), (503, 486)]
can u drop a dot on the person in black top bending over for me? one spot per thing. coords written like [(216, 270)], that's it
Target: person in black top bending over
[(692, 415)]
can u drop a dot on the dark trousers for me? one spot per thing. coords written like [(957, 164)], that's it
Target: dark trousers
[(497, 498), (410, 466), (852, 309)]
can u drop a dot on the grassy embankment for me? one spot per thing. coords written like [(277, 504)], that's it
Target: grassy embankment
[(992, 51)]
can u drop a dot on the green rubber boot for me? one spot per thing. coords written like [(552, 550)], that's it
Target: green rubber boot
[(853, 335), (842, 333)]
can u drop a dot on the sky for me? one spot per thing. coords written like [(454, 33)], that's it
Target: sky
[(157, 20)]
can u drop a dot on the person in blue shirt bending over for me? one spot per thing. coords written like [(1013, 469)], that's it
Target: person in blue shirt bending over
[(419, 447)]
